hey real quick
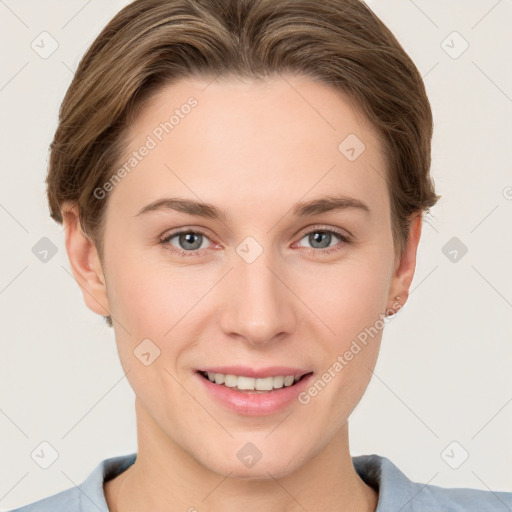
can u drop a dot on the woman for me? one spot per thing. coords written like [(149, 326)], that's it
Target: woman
[(243, 185)]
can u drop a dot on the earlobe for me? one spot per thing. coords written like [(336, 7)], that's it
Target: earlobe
[(404, 271), (85, 263)]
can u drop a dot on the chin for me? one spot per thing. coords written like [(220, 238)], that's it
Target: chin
[(246, 462), (262, 470)]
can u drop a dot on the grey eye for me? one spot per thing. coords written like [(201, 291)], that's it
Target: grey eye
[(320, 239), (190, 240), (187, 240)]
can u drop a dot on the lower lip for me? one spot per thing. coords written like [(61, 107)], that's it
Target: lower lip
[(255, 404)]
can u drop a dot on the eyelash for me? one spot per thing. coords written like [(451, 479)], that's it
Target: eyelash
[(198, 252)]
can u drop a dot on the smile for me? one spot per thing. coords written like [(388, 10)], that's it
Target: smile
[(243, 383)]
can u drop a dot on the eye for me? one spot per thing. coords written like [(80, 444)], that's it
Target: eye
[(187, 242), (321, 239), (193, 243)]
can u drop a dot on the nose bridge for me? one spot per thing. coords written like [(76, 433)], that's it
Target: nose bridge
[(259, 307)]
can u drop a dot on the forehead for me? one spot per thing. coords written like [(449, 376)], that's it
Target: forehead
[(296, 104), (285, 137)]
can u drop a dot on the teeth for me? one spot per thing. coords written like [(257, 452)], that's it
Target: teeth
[(288, 381), (278, 382), (252, 383)]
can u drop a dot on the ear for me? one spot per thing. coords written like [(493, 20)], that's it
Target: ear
[(405, 265), (85, 262)]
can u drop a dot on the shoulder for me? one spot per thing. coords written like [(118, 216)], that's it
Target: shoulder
[(68, 500), (398, 492), (89, 495), (458, 499)]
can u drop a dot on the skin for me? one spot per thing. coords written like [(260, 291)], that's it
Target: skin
[(246, 145)]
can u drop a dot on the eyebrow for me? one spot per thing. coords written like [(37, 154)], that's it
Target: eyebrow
[(313, 207)]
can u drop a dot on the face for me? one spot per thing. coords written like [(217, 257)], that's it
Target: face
[(268, 279)]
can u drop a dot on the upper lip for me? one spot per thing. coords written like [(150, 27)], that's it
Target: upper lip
[(246, 371)]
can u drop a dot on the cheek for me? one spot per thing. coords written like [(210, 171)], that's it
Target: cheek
[(147, 295), (160, 301), (347, 296), (350, 299)]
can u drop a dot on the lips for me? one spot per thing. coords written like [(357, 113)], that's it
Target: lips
[(254, 402)]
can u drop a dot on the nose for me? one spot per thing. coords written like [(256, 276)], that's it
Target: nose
[(259, 307)]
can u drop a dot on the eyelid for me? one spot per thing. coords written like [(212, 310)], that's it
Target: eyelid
[(185, 229), (343, 233)]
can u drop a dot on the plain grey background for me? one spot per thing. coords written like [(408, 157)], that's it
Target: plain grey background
[(442, 388)]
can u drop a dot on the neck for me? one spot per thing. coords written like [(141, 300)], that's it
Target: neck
[(165, 478)]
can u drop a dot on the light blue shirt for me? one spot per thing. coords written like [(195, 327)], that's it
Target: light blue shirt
[(396, 492)]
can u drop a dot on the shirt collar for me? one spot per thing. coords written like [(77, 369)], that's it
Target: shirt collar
[(393, 487)]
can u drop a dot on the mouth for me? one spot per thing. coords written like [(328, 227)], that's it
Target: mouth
[(249, 391), (253, 385)]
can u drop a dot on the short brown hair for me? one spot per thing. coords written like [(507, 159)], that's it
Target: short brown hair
[(152, 43)]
